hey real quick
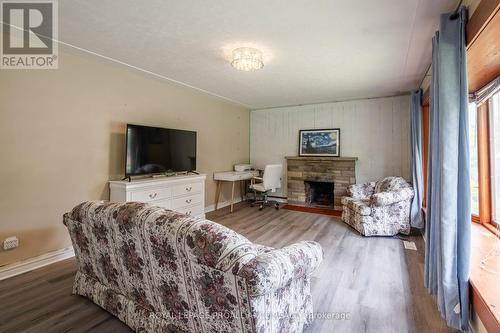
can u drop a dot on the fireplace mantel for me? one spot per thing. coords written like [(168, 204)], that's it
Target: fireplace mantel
[(341, 171)]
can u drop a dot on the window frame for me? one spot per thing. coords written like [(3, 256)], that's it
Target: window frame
[(485, 216), (484, 155), (474, 215), (492, 166)]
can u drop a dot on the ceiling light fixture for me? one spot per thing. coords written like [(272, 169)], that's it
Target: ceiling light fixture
[(247, 59)]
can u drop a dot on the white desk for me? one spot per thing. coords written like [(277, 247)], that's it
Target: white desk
[(233, 177)]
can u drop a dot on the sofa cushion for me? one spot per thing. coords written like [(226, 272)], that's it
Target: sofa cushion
[(390, 184), (392, 197), (361, 191)]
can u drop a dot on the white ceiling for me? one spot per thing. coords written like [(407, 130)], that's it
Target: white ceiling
[(314, 50)]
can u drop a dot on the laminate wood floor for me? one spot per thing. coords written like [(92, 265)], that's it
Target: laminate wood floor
[(364, 284)]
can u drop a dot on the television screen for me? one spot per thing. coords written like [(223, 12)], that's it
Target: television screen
[(152, 150)]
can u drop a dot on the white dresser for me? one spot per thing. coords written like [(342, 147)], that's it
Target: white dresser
[(185, 194)]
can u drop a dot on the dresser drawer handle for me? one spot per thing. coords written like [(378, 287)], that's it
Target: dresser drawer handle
[(189, 189), (152, 196), (188, 200)]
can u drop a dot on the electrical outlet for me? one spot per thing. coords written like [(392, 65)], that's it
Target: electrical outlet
[(410, 245), (10, 243)]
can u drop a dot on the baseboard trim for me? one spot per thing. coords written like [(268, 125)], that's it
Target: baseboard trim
[(222, 204), (283, 200), (30, 264), (315, 210)]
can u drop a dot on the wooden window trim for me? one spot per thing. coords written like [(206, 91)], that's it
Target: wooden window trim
[(483, 152), (481, 18), (483, 46)]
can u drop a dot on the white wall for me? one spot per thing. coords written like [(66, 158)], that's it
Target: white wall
[(374, 130)]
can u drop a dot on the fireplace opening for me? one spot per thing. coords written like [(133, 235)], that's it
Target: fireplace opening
[(319, 194)]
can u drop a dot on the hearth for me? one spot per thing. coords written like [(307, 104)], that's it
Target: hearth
[(319, 194)]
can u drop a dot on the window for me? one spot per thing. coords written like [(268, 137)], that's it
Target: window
[(494, 122), (484, 143), (484, 146), (474, 171)]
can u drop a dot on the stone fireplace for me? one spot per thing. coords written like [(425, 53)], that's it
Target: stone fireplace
[(319, 181)]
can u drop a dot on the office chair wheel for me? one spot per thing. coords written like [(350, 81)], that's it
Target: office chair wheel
[(277, 206)]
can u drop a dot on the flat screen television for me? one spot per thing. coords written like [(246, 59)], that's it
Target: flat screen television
[(154, 150)]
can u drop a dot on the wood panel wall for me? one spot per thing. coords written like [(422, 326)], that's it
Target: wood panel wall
[(483, 44), (374, 130)]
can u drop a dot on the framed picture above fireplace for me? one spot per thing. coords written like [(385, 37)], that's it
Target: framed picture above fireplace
[(319, 142)]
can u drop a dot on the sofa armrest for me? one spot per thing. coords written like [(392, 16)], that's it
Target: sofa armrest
[(277, 268), (392, 197), (361, 191)]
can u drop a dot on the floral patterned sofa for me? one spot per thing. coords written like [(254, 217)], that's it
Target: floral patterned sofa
[(161, 271), (379, 208)]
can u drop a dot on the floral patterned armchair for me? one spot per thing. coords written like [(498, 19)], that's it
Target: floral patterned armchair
[(162, 271), (379, 209)]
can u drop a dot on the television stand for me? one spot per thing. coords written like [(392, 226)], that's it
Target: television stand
[(184, 194)]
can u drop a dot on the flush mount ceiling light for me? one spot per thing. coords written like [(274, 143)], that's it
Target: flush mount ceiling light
[(247, 59)]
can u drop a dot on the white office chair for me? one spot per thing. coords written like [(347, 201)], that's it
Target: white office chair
[(269, 182)]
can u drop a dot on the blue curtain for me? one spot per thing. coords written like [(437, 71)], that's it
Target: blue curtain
[(416, 217), (447, 255)]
